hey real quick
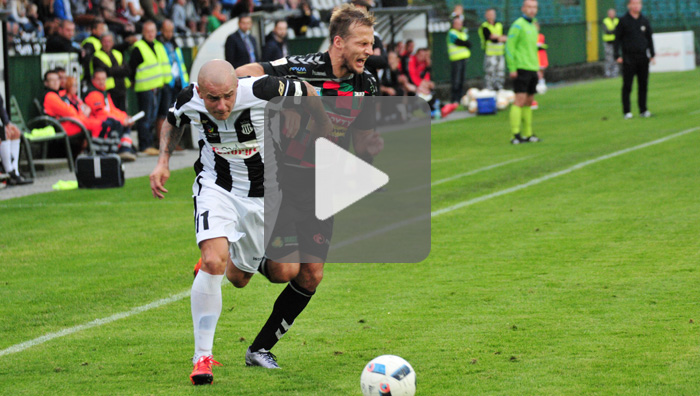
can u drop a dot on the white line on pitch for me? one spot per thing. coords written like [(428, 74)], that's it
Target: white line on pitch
[(176, 297), (465, 174), (695, 112), (519, 187), (559, 173), (97, 322)]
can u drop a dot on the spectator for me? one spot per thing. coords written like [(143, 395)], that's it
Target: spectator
[(458, 51), (62, 41), (612, 69), (276, 43), (152, 11), (240, 47), (180, 78), (458, 12), (216, 18), (150, 70), (120, 25), (115, 123), (112, 61), (9, 148), (492, 42), (405, 56), (393, 82), (58, 107), (179, 16), (304, 20), (45, 11), (237, 8), (62, 10), (133, 11), (62, 79), (92, 43), (192, 18), (419, 70), (33, 18)]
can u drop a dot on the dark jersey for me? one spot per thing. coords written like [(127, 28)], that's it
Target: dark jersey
[(347, 112)]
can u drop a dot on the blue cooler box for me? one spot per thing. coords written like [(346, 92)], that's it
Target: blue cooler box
[(486, 105)]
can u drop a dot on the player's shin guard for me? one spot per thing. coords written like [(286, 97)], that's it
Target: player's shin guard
[(290, 303), (527, 121), (516, 114), (206, 309)]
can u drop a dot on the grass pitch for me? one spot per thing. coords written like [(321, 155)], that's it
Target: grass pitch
[(585, 283)]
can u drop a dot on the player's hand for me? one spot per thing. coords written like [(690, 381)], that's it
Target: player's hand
[(310, 89), (652, 60), (513, 75), (292, 123), (619, 60), (158, 177), (11, 131), (374, 143)]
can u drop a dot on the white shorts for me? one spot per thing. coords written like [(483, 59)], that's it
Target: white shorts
[(218, 213)]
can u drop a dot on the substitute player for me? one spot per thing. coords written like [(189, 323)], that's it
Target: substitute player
[(228, 189), (304, 243), (523, 64)]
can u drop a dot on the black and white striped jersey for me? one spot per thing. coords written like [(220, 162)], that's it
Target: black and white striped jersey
[(231, 151)]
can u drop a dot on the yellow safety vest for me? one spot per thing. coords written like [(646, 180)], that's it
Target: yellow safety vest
[(492, 49), (610, 25), (94, 41), (154, 71), (104, 57), (457, 52)]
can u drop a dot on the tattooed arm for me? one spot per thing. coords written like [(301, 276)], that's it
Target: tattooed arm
[(169, 137)]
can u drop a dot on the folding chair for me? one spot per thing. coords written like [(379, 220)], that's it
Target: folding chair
[(83, 129), (41, 121)]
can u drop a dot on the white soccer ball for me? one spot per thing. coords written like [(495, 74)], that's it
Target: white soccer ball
[(388, 375), (465, 100), (473, 106), (502, 103), (472, 92)]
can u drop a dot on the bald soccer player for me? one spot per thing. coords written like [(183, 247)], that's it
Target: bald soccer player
[(228, 189)]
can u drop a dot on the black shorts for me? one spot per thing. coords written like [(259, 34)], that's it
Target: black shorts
[(526, 82), (296, 227)]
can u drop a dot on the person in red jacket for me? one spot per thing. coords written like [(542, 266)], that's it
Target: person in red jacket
[(56, 106), (112, 119)]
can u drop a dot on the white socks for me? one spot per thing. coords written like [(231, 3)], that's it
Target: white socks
[(6, 155), (206, 309), (14, 144)]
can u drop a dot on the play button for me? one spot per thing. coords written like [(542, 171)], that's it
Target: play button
[(342, 179)]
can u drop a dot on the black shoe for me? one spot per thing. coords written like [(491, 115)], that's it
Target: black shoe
[(17, 180), (517, 139), (533, 139)]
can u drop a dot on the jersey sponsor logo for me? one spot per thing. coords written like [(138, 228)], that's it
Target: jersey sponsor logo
[(211, 130), (318, 73), (235, 150), (359, 94), (298, 69)]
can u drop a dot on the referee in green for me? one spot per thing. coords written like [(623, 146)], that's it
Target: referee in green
[(523, 64)]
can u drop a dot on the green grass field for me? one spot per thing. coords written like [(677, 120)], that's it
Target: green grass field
[(584, 283)]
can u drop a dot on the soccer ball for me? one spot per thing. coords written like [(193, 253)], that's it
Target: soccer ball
[(473, 106), (472, 92), (388, 375)]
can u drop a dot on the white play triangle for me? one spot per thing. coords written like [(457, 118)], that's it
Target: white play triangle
[(342, 179)]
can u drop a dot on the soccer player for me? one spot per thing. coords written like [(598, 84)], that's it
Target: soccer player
[(523, 64), (303, 244), (228, 189)]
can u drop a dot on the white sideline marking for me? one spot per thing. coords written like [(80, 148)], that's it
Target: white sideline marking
[(176, 297), (97, 322), (559, 173), (465, 174), (475, 171), (695, 112), (519, 187)]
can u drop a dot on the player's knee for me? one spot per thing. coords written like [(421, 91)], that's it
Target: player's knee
[(213, 263), (310, 277), (283, 272), (237, 279)]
